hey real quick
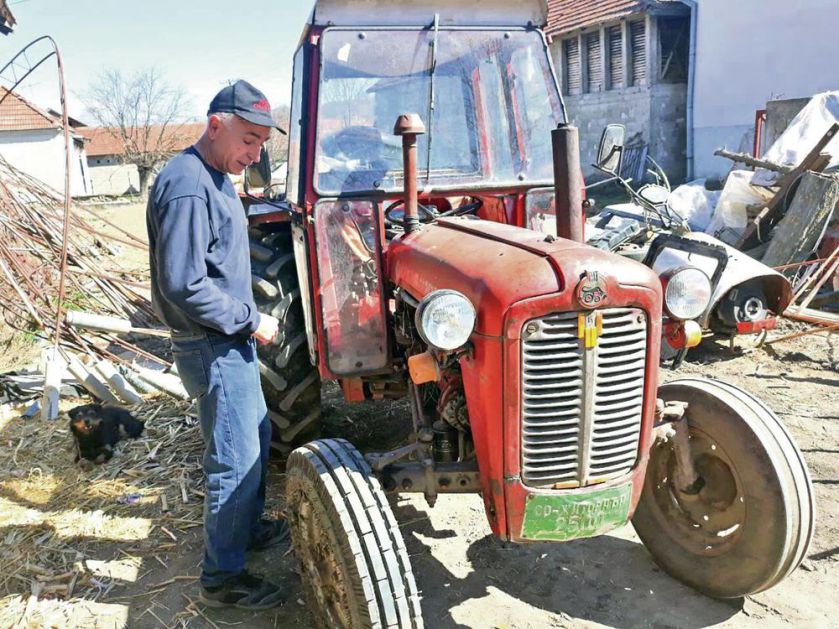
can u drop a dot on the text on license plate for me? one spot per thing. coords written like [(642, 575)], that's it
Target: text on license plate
[(563, 517)]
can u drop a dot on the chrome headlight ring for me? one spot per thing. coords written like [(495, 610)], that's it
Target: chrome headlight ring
[(687, 292), (445, 319)]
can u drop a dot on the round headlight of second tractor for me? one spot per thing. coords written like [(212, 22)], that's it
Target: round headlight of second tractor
[(687, 293)]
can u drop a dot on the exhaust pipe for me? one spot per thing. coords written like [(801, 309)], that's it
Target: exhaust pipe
[(568, 182), (409, 126)]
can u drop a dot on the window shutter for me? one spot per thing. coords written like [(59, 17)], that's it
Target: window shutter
[(573, 75), (638, 32), (615, 35), (593, 65)]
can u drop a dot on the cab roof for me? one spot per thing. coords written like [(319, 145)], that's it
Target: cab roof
[(413, 13)]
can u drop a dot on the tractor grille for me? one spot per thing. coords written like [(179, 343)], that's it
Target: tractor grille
[(581, 407)]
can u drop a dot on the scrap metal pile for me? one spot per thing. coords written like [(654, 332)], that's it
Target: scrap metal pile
[(784, 212), (31, 228)]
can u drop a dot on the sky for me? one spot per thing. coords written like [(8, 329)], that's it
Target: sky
[(200, 45)]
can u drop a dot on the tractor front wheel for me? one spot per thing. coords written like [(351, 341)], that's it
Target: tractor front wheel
[(355, 569), (750, 522)]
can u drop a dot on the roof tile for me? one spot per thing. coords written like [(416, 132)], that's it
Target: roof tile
[(18, 114), (569, 15), (106, 141)]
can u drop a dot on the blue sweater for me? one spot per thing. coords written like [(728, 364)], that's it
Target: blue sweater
[(198, 250)]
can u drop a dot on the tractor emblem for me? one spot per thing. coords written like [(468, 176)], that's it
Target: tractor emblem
[(591, 291)]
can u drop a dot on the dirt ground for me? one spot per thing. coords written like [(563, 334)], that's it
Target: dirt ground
[(467, 578)]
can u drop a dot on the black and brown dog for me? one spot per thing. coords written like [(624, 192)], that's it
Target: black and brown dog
[(97, 429)]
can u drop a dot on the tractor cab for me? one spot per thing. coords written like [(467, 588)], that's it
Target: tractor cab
[(484, 87)]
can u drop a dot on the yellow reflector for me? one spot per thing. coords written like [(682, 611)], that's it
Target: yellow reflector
[(693, 333)]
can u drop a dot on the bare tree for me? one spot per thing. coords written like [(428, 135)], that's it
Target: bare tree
[(277, 144), (142, 111)]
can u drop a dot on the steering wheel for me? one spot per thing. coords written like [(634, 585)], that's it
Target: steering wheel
[(354, 142), (428, 213)]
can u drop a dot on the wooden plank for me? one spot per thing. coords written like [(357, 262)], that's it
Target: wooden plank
[(815, 276), (810, 315), (749, 160), (761, 224), (799, 231)]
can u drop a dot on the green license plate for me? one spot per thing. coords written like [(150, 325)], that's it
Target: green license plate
[(562, 517)]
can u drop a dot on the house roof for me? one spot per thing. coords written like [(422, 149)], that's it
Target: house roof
[(7, 20), (565, 16), (18, 114), (569, 15), (106, 140), (73, 122)]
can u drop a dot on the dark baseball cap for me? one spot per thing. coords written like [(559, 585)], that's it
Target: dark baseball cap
[(247, 102)]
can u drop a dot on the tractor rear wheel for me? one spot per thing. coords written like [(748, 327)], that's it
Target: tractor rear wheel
[(354, 565), (290, 382), (751, 522)]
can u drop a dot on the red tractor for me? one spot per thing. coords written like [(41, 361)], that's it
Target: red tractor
[(402, 268)]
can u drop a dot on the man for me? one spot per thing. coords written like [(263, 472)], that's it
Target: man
[(201, 288)]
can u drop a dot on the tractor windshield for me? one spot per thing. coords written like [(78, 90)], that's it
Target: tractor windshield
[(489, 94)]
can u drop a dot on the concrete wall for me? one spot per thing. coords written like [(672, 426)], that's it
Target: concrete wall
[(668, 129), (655, 113), (752, 51), (110, 177), (40, 153), (779, 113), (592, 112)]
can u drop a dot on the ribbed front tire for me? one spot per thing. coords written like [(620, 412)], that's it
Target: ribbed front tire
[(751, 522), (355, 569)]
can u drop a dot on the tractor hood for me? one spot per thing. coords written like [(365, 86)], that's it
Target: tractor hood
[(498, 265)]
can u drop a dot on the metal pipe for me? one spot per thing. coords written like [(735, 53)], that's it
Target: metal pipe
[(689, 149), (62, 272), (568, 182), (409, 126), (90, 381), (117, 382)]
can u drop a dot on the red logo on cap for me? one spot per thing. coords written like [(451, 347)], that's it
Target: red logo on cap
[(262, 105)]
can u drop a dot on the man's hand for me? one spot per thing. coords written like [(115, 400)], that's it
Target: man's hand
[(267, 330)]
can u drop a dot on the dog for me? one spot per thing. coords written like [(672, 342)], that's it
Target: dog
[(97, 429)]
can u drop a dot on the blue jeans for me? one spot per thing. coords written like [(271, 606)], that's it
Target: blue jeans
[(222, 374)]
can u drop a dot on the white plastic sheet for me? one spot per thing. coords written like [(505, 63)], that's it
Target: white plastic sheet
[(730, 218), (802, 134), (694, 203)]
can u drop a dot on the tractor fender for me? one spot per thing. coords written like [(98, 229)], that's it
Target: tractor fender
[(741, 269)]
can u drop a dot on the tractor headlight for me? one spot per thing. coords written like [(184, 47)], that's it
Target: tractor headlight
[(445, 319), (687, 292)]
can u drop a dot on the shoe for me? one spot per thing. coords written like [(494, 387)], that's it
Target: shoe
[(269, 533), (244, 591)]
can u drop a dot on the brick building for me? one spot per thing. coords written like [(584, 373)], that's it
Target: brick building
[(625, 61)]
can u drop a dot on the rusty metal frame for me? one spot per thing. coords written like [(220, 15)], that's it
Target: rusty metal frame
[(22, 63)]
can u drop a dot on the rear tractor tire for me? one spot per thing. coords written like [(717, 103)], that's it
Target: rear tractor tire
[(751, 520), (355, 569), (290, 382)]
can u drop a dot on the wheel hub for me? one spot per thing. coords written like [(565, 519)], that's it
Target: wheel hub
[(709, 520)]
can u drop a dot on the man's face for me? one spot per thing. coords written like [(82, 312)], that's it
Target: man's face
[(235, 144)]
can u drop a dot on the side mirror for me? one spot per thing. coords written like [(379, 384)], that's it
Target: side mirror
[(259, 175), (610, 153)]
